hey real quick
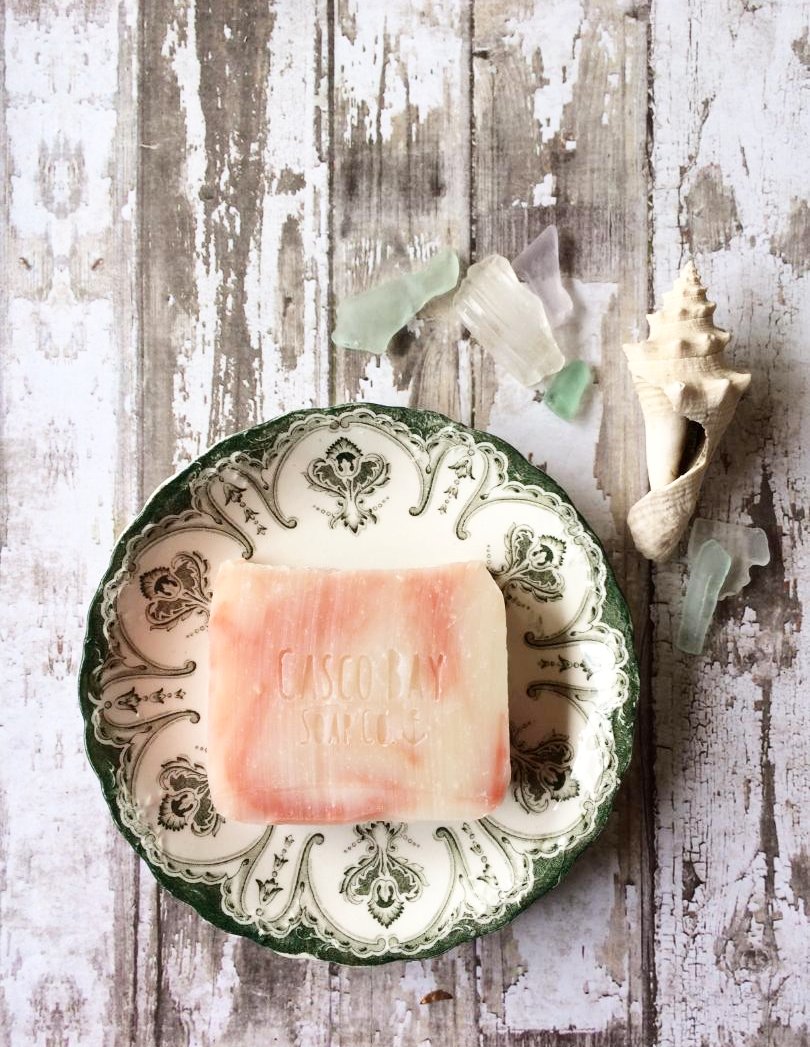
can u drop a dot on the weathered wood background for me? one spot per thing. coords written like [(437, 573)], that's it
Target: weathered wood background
[(188, 188)]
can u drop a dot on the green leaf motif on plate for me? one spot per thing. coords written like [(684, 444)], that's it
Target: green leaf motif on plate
[(349, 475), (384, 879), (463, 471), (293, 894), (176, 592), (270, 887), (186, 801), (542, 772), (533, 564), (133, 700)]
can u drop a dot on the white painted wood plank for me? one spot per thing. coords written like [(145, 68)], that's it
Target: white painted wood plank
[(235, 100), (731, 140), (401, 104), (553, 98), (69, 379), (234, 255), (401, 191)]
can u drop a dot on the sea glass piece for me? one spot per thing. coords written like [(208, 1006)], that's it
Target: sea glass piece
[(349, 695), (369, 320), (508, 320), (538, 265), (707, 574), (567, 389), (747, 547)]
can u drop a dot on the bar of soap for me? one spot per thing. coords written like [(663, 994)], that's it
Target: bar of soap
[(351, 695)]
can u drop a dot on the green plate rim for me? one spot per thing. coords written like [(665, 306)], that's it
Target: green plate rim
[(205, 898)]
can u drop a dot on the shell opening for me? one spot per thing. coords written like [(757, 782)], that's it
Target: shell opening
[(694, 442)]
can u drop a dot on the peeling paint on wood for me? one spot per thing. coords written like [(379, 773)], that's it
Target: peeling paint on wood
[(548, 98), (732, 942), (400, 192), (234, 262), (69, 378), (791, 243), (401, 182), (712, 209), (190, 187)]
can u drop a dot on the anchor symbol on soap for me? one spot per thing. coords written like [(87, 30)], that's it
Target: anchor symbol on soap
[(411, 733)]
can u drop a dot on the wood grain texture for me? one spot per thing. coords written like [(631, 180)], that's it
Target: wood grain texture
[(731, 138), (400, 148), (400, 101), (233, 260), (69, 352), (560, 136), (189, 188)]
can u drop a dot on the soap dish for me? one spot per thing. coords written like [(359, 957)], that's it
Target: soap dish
[(360, 486)]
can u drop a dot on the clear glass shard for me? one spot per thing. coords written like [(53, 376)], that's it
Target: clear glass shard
[(707, 573), (747, 547), (567, 389), (369, 320), (508, 320), (538, 265)]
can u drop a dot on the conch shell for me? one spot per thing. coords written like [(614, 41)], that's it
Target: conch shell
[(688, 396)]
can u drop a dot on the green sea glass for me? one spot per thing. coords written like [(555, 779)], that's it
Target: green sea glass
[(708, 572), (369, 320), (747, 547), (568, 387)]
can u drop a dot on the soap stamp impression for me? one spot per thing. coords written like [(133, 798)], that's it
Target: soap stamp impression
[(348, 699)]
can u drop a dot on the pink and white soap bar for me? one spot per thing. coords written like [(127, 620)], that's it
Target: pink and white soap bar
[(351, 695)]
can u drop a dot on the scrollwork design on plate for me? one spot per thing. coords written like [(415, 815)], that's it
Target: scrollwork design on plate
[(270, 887), (238, 496), (541, 773), (533, 564), (382, 878), (176, 592), (350, 476), (186, 801), (360, 421), (133, 700), (145, 732)]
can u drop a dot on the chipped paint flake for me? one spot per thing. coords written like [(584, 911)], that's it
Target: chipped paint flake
[(554, 42), (543, 192), (388, 75)]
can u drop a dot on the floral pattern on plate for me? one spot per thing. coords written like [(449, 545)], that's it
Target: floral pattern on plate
[(360, 486)]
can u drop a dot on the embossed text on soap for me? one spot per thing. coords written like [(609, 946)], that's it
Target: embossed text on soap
[(379, 679)]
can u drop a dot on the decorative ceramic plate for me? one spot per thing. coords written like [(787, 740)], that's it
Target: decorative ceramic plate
[(360, 486)]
